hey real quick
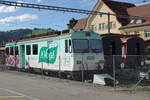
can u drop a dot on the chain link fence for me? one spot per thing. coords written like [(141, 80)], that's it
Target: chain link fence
[(2, 61), (131, 71)]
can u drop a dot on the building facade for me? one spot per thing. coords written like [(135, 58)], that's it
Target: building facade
[(138, 26), (99, 23)]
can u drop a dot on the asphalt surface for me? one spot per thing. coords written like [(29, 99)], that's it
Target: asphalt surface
[(23, 86)]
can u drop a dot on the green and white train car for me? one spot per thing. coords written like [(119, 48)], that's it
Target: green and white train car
[(69, 53)]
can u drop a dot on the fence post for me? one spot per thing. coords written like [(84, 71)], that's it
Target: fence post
[(42, 69), (28, 65), (82, 71), (114, 76), (108, 22), (59, 68)]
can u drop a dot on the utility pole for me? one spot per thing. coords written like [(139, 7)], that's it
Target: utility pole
[(108, 22)]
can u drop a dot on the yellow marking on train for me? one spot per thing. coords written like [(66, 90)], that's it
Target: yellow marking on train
[(5, 97)]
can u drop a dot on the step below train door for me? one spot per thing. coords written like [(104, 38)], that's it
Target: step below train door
[(22, 56)]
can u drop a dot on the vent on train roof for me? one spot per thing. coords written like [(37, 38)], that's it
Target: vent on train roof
[(87, 34)]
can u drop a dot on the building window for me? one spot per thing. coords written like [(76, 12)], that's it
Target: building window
[(92, 27), (137, 32), (147, 33), (101, 26), (35, 49), (132, 21), (28, 50), (139, 21), (102, 15), (112, 24), (127, 33)]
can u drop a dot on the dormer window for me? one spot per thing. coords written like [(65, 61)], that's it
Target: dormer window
[(132, 21), (127, 33), (138, 21)]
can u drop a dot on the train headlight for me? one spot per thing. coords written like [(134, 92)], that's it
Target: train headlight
[(79, 62), (100, 64)]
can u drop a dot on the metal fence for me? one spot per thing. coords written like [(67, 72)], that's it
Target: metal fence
[(132, 71)]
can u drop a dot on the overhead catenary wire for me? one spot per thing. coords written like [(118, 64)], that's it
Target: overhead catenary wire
[(63, 9)]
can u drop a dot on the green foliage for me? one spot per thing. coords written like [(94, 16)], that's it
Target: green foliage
[(13, 34), (37, 31), (72, 23), (20, 33)]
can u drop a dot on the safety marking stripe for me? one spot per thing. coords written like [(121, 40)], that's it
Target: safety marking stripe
[(18, 93), (3, 97)]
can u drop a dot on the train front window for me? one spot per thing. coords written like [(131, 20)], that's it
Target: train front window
[(96, 46), (80, 46)]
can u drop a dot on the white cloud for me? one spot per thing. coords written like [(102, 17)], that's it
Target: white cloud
[(39, 0), (8, 9), (21, 18), (87, 2)]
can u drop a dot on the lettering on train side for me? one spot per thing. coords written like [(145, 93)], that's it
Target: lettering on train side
[(48, 55)]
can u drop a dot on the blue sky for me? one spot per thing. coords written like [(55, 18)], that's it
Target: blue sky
[(15, 18)]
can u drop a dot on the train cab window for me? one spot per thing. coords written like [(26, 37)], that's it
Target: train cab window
[(66, 46), (28, 50), (16, 51), (70, 46), (35, 49), (96, 45), (80, 46), (7, 51), (11, 51)]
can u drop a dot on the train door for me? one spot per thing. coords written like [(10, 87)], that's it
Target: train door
[(22, 56), (67, 60)]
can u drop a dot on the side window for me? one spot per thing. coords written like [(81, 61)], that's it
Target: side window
[(16, 51), (66, 46), (11, 51), (35, 49), (28, 50), (7, 51), (70, 46)]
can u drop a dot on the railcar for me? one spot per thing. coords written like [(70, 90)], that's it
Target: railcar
[(67, 53), (112, 46)]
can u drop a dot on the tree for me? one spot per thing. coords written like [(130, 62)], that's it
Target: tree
[(72, 23)]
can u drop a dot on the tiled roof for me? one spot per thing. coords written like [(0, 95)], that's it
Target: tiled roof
[(141, 11), (120, 8), (118, 35), (135, 25), (80, 24)]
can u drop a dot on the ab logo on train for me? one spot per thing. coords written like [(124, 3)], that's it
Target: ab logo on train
[(48, 55)]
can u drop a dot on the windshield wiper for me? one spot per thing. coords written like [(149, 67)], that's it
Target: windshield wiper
[(96, 50), (85, 51)]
